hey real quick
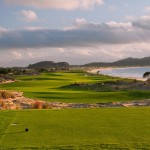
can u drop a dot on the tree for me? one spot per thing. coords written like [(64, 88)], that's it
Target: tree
[(146, 75), (98, 72)]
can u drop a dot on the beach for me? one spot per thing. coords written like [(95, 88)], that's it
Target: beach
[(123, 72)]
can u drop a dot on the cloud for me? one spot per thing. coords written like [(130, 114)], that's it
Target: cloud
[(81, 34), (129, 17), (81, 23), (114, 24), (28, 16), (82, 55), (142, 23), (57, 4), (147, 9), (2, 30), (34, 28), (16, 54)]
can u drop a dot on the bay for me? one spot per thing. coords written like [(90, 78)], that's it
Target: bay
[(127, 72)]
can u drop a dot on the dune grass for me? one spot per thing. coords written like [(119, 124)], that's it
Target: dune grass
[(6, 94), (51, 87), (83, 129)]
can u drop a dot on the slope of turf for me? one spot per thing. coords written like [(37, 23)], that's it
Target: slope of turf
[(51, 87), (79, 129)]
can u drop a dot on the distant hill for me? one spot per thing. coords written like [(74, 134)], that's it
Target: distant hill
[(49, 64), (124, 62)]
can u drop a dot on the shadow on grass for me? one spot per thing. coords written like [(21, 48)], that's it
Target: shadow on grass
[(134, 94), (50, 96), (44, 79), (71, 87)]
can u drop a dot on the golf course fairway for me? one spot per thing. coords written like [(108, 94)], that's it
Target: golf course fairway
[(106, 128)]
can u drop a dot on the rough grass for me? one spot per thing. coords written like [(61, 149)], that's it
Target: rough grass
[(72, 129), (6, 94), (51, 87)]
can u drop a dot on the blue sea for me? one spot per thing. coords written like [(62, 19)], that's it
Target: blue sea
[(131, 72)]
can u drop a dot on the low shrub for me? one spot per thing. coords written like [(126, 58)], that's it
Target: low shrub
[(6, 95), (17, 107), (2, 104), (46, 105), (38, 105)]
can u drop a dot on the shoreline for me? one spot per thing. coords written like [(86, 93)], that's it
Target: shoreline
[(95, 70)]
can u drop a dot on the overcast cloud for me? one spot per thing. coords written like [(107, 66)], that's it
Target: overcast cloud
[(81, 34)]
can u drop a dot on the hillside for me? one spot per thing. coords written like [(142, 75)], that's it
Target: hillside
[(124, 62), (48, 64)]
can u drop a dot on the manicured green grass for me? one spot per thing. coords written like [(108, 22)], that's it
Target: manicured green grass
[(84, 129), (6, 117), (51, 87)]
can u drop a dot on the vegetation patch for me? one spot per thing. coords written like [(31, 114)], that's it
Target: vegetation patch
[(6, 94)]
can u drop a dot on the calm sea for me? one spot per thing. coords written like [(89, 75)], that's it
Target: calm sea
[(134, 72)]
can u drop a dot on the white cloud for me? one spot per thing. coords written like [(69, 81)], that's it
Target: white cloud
[(79, 22), (57, 4), (16, 54), (145, 18), (147, 9), (30, 54), (28, 16), (34, 28), (114, 24), (3, 29)]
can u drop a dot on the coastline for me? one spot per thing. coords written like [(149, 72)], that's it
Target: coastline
[(95, 70)]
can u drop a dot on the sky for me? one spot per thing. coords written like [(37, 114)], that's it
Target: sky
[(74, 31)]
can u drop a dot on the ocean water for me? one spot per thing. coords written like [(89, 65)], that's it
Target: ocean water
[(132, 72)]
